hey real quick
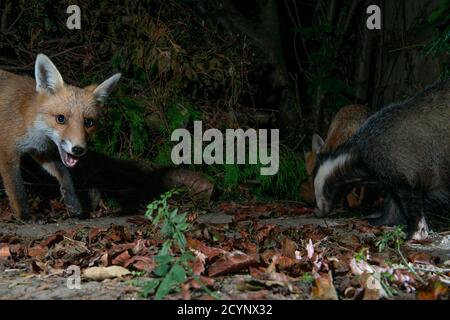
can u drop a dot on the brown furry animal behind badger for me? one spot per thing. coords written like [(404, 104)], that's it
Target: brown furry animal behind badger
[(405, 148), (344, 125)]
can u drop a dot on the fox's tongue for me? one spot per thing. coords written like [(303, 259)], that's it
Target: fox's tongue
[(69, 160)]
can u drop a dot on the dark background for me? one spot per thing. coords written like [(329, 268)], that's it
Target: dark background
[(285, 64)]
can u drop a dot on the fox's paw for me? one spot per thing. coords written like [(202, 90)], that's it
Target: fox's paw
[(74, 208), (33, 218), (72, 203)]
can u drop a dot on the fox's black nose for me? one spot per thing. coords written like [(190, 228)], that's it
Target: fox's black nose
[(78, 151)]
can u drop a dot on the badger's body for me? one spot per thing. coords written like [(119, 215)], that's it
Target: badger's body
[(404, 147)]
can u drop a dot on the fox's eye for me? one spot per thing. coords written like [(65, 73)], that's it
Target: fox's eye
[(60, 119), (88, 123)]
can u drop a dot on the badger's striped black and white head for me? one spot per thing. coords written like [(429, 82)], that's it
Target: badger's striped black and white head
[(335, 174), (327, 181)]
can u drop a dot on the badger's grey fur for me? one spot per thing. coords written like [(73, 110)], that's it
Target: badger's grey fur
[(404, 147)]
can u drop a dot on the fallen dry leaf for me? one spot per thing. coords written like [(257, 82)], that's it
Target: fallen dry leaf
[(4, 250), (353, 200), (142, 263), (279, 277), (420, 257), (37, 266), (285, 263), (231, 262), (206, 281), (273, 264), (198, 266), (185, 292), (264, 232), (324, 288), (102, 273), (209, 252), (260, 274), (268, 255), (257, 295), (94, 232), (372, 287), (37, 251), (257, 273), (250, 247), (434, 291), (288, 248), (121, 259), (119, 248), (51, 240)]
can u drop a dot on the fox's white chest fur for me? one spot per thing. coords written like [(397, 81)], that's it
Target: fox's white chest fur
[(37, 138)]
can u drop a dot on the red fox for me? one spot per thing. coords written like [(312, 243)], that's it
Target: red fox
[(49, 120), (344, 125)]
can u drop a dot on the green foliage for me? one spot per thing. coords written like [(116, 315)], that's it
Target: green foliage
[(171, 270), (440, 44), (395, 238), (283, 185), (286, 183), (307, 278), (441, 14), (362, 255), (392, 238), (122, 131), (174, 224), (178, 115)]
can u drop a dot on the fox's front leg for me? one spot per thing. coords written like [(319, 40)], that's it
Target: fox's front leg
[(14, 187), (62, 174)]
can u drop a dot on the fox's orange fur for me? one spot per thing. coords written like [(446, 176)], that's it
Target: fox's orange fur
[(344, 125), (49, 120)]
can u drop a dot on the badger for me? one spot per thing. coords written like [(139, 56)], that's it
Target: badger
[(344, 124), (405, 149)]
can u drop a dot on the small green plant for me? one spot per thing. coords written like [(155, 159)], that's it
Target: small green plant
[(171, 270), (385, 279), (362, 255), (393, 238), (307, 278)]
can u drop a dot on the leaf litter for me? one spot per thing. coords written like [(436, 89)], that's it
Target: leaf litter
[(250, 257)]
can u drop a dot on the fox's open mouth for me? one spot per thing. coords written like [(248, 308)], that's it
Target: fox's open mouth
[(68, 159)]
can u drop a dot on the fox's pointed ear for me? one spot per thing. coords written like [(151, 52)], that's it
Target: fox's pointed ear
[(48, 78), (317, 143), (105, 88)]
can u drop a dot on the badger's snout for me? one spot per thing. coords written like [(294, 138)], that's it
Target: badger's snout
[(321, 211)]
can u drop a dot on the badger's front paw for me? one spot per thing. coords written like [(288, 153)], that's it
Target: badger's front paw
[(391, 215), (421, 231)]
